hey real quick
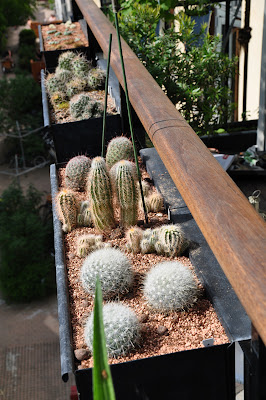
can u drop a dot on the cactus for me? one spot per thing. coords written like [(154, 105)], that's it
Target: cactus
[(90, 242), (75, 86), (100, 192), (67, 206), (79, 104), (81, 66), (96, 79), (119, 148), (84, 216), (146, 188), (133, 237), (170, 286), (154, 202), (149, 239), (67, 33), (63, 75), (121, 328), (171, 241), (65, 60), (112, 267), (51, 31), (57, 98), (54, 84), (95, 109), (76, 172), (123, 177)]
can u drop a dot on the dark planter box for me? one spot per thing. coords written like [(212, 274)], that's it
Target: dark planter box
[(51, 56), (205, 373), (81, 137), (231, 143)]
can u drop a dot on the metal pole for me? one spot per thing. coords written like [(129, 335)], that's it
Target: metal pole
[(106, 93), (115, 9), (16, 167), (21, 145)]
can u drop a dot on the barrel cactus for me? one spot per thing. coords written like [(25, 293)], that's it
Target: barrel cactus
[(170, 286), (65, 60), (113, 269), (68, 209), (84, 215), (154, 202), (90, 242), (96, 79), (76, 172), (119, 148), (171, 241), (121, 328), (100, 193), (133, 237), (124, 179)]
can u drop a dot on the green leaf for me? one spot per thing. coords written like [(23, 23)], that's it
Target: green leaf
[(102, 380)]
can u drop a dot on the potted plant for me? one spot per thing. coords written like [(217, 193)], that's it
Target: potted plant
[(73, 105), (167, 375)]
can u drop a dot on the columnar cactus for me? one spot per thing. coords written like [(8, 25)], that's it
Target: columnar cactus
[(124, 178), (171, 241), (100, 193), (96, 79), (84, 216), (154, 202), (170, 286), (76, 172), (68, 209), (119, 148), (113, 269), (88, 243), (134, 236), (65, 60), (121, 328)]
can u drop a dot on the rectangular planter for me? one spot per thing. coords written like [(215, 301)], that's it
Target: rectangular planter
[(85, 136), (205, 373), (51, 56)]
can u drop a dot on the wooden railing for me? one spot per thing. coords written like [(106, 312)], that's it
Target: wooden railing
[(231, 226)]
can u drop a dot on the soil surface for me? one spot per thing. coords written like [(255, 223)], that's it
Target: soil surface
[(63, 37)]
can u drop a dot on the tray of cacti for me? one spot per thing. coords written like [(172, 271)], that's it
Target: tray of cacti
[(59, 37), (76, 103), (158, 319)]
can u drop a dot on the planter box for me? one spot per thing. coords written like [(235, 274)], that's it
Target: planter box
[(85, 136), (205, 373), (51, 56), (231, 143)]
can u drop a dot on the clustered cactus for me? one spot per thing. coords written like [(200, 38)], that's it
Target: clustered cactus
[(113, 269), (170, 286), (100, 192), (76, 172), (119, 148), (121, 328)]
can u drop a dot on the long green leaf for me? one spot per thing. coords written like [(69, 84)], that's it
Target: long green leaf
[(103, 388)]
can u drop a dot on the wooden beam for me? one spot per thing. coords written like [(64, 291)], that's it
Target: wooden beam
[(231, 226)]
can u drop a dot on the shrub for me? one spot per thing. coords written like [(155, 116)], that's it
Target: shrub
[(25, 271), (27, 36)]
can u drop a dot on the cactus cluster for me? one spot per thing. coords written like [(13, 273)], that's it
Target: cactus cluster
[(123, 175), (81, 107), (88, 243), (121, 328), (113, 269), (68, 209), (170, 286), (119, 148), (100, 193), (76, 172)]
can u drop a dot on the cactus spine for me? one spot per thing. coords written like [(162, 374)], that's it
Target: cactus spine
[(100, 192), (124, 180), (119, 148), (121, 327), (112, 267), (170, 286), (68, 209), (76, 172)]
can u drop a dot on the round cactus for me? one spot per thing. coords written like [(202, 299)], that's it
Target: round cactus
[(100, 192), (119, 148), (54, 84), (65, 60), (76, 172), (81, 66), (68, 209), (170, 286), (133, 237), (112, 267), (63, 75), (90, 242), (75, 86), (96, 79), (154, 202), (171, 241), (123, 175), (121, 328), (79, 104)]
